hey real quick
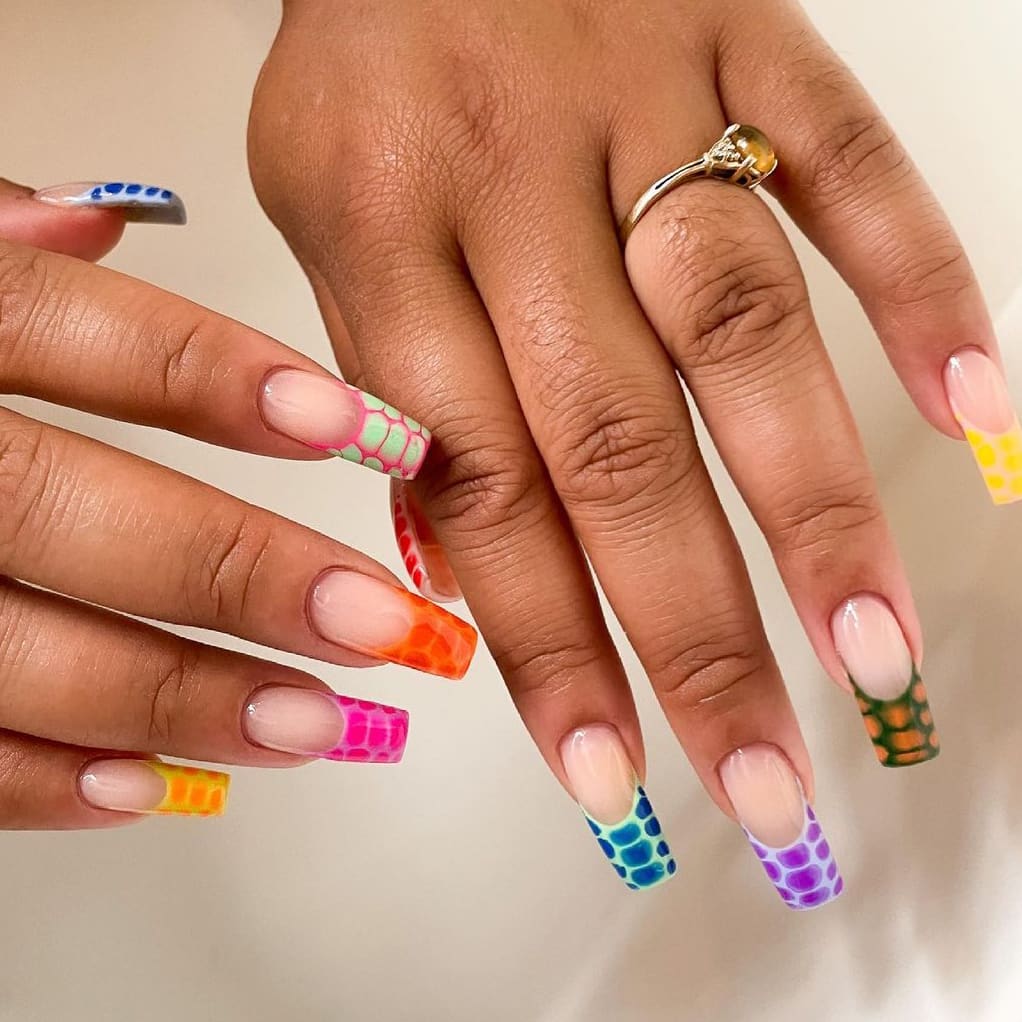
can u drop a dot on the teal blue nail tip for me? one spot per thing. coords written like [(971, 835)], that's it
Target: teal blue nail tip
[(634, 845), (140, 203)]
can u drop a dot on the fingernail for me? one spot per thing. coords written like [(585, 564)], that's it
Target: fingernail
[(425, 560), (381, 620), (978, 393), (150, 786), (144, 204), (331, 415), (616, 808), (311, 723), (888, 689), (781, 826)]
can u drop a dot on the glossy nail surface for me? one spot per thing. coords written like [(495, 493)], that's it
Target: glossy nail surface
[(781, 826), (311, 723), (424, 558), (891, 695), (150, 786), (979, 397), (149, 204), (615, 806), (385, 621), (330, 415)]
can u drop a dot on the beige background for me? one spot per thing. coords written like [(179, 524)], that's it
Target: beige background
[(464, 886)]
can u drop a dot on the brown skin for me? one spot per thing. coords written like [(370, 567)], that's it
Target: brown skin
[(450, 175)]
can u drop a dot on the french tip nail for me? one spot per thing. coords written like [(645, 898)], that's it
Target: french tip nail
[(140, 203), (307, 722), (385, 439), (981, 402), (424, 559), (615, 806), (154, 787), (780, 826)]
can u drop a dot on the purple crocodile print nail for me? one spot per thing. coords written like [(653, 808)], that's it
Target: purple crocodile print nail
[(804, 872)]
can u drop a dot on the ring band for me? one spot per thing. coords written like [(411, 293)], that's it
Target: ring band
[(743, 155)]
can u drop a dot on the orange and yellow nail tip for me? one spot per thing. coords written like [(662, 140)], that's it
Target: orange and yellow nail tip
[(999, 457), (191, 791)]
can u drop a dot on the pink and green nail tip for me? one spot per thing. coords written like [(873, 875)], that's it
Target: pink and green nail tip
[(804, 873), (635, 846), (385, 440)]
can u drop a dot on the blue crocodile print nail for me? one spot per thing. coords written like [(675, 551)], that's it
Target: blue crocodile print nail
[(146, 204), (635, 845)]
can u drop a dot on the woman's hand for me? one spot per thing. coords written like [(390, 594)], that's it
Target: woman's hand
[(451, 176), (87, 696)]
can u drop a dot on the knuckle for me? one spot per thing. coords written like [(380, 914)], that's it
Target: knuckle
[(739, 295), (622, 454), (26, 462), (546, 671), (24, 274), (172, 690), (220, 580), (938, 272), (179, 352), (709, 672), (826, 521), (858, 146)]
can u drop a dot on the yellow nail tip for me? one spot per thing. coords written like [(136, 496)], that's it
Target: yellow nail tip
[(192, 791), (999, 461)]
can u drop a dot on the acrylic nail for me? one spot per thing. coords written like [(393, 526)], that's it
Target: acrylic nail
[(311, 723), (781, 826), (891, 695), (330, 415), (388, 622), (151, 786), (979, 398), (424, 558), (615, 806), (144, 204)]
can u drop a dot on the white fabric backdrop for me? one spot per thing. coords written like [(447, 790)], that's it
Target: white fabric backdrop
[(463, 886)]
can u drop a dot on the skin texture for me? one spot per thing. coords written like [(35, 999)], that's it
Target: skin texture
[(451, 174), (87, 531)]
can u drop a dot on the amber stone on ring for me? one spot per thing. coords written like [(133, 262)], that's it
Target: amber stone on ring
[(750, 141)]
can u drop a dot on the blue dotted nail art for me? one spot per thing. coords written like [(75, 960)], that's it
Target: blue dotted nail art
[(141, 203), (639, 855)]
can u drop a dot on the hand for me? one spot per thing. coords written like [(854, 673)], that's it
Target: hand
[(87, 696), (451, 177)]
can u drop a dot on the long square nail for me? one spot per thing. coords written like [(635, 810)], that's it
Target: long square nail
[(615, 806), (151, 786), (979, 397), (781, 826), (382, 620), (891, 695), (311, 723), (330, 415), (144, 204)]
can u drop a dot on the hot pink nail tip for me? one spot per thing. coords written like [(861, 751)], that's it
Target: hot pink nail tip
[(373, 733)]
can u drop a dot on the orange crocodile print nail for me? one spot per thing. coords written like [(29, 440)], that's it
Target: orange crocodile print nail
[(151, 786), (382, 620)]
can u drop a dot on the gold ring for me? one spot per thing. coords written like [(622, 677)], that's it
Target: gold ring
[(743, 155)]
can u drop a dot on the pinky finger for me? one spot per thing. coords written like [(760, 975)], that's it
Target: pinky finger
[(47, 786), (423, 556)]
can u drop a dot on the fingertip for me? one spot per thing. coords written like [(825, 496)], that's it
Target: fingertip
[(83, 233)]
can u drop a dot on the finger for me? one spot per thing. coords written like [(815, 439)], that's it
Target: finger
[(494, 513), (88, 234), (182, 367), (423, 556), (621, 452), (850, 185), (189, 554), (45, 786), (77, 674), (721, 286)]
